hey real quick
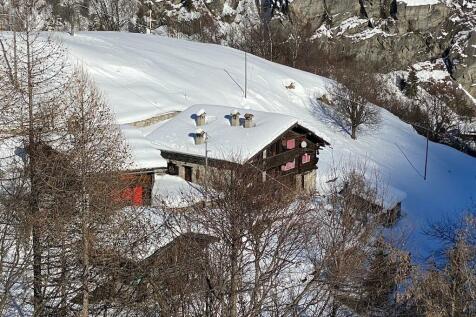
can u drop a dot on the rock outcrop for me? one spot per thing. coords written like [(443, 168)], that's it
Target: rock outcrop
[(395, 34)]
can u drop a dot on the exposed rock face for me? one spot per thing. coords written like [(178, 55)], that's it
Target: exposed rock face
[(396, 35), (390, 52), (421, 18), (408, 18), (317, 12), (463, 60)]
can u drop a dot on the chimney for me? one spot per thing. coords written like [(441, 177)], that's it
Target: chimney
[(249, 120), (235, 118), (200, 137), (201, 117)]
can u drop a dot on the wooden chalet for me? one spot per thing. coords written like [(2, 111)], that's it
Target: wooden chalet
[(176, 268), (280, 147), (137, 187), (138, 182)]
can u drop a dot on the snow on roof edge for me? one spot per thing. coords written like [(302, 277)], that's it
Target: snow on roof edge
[(174, 136)]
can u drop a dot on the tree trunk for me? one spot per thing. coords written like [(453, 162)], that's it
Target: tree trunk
[(37, 284), (85, 213), (233, 281), (234, 274), (86, 268), (63, 282), (85, 310), (34, 194)]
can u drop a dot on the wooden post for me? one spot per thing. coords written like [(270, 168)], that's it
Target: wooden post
[(150, 20), (73, 17), (206, 162), (246, 75), (426, 154)]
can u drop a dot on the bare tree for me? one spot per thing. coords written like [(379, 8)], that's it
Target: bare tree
[(258, 228), (444, 107), (277, 253), (353, 94), (113, 15), (449, 288), (286, 42), (72, 13), (348, 270), (62, 222), (15, 250), (32, 70), (84, 169)]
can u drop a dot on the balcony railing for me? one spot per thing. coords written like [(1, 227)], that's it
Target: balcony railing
[(287, 156)]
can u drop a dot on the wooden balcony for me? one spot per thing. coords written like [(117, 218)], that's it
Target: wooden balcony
[(284, 157)]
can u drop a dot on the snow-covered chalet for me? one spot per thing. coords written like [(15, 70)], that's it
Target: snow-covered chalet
[(281, 147)]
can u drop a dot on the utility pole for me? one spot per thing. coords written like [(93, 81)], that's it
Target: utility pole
[(150, 20), (426, 152), (206, 162), (427, 129), (246, 75), (73, 16), (149, 24)]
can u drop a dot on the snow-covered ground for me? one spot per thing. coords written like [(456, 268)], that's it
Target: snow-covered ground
[(143, 76)]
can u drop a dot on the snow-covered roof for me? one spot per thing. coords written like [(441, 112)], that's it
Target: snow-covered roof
[(225, 142), (144, 154), (174, 191), (390, 196)]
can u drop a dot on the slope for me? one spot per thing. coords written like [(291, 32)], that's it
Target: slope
[(143, 76)]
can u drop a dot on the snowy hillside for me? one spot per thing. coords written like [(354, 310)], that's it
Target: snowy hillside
[(144, 76)]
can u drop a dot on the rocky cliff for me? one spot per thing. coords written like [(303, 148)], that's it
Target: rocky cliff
[(396, 34)]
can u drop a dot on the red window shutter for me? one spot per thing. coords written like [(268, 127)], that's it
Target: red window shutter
[(291, 144), (288, 166), (137, 198)]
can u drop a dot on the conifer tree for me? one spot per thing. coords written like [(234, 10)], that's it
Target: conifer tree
[(411, 89)]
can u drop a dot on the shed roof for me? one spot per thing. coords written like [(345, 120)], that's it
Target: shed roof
[(144, 154)]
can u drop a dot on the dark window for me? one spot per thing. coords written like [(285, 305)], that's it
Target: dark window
[(172, 169), (305, 158), (188, 173), (274, 148)]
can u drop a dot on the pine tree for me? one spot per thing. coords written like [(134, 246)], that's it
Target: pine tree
[(411, 89)]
